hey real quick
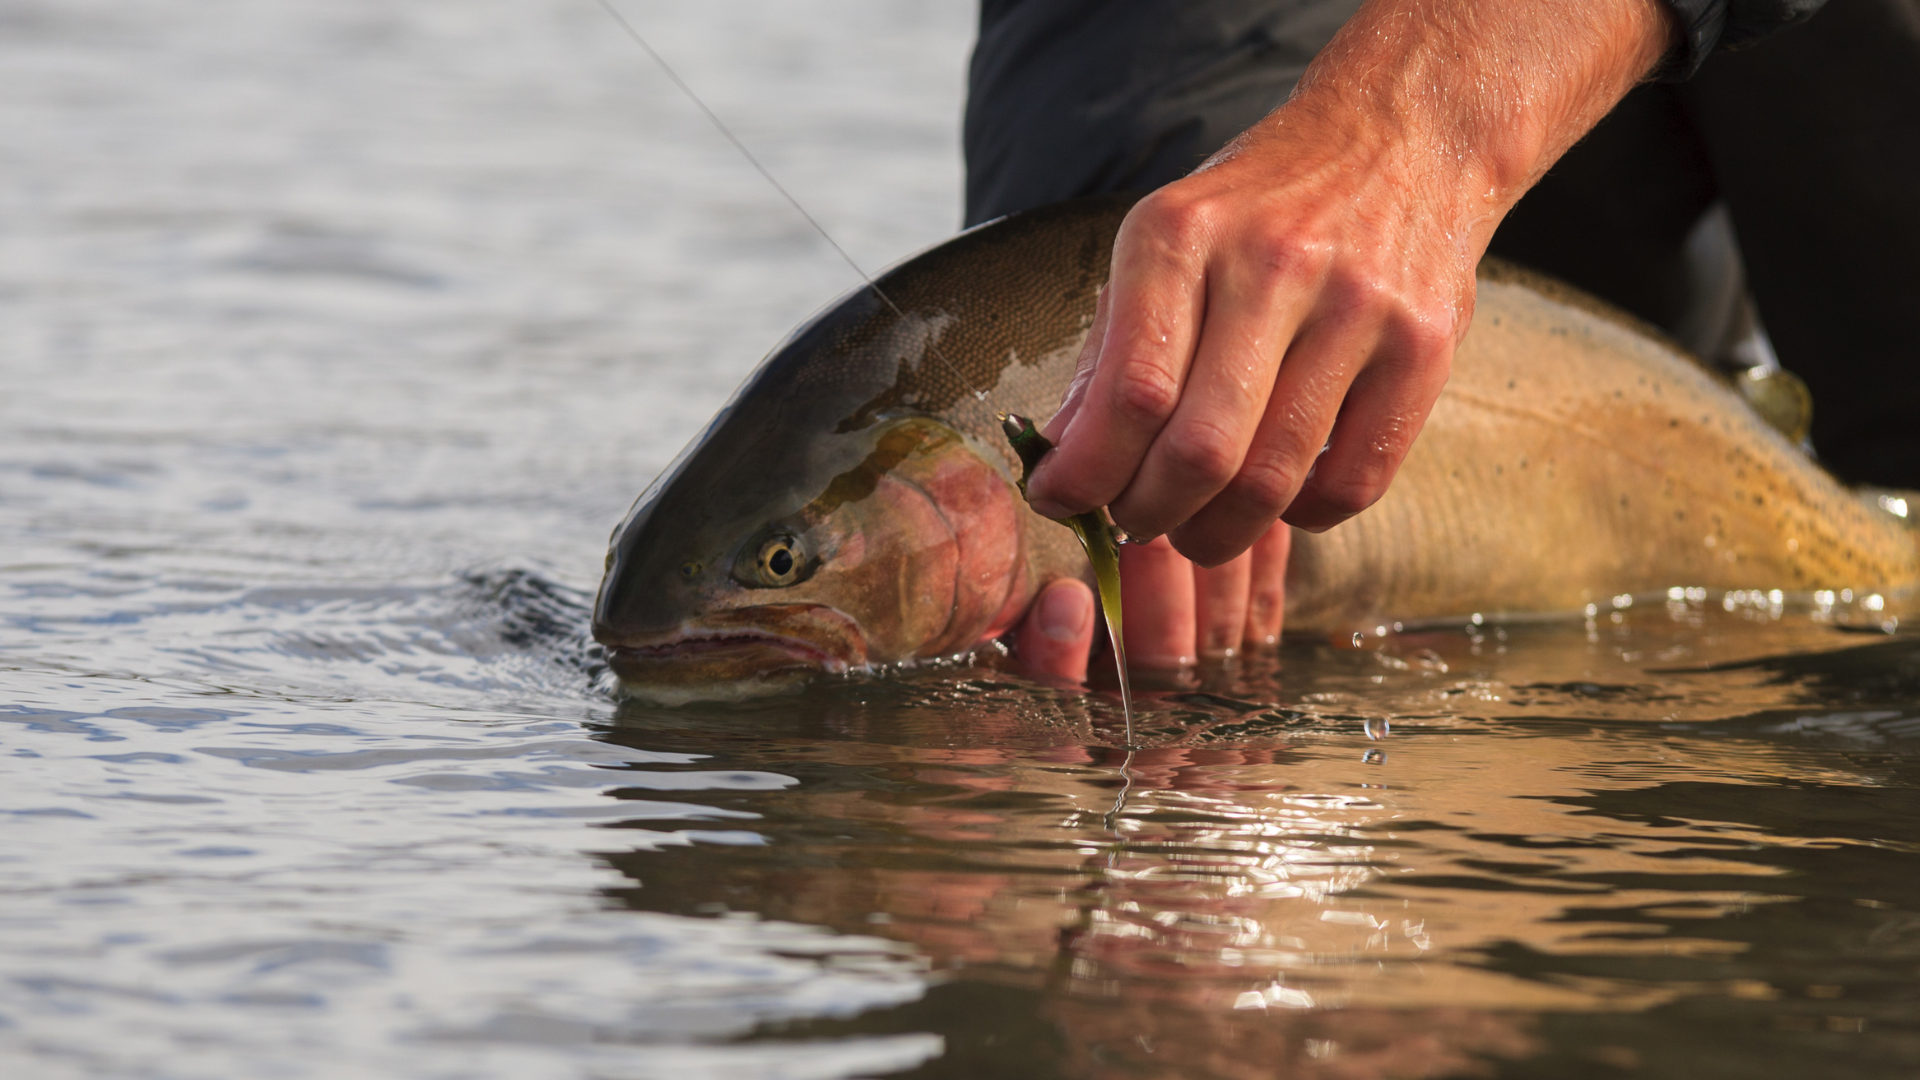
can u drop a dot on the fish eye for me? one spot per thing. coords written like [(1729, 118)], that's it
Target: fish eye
[(779, 561), (691, 569), (776, 562)]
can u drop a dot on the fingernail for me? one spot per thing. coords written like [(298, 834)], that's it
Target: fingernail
[(1064, 612)]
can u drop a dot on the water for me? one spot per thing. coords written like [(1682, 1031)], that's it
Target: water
[(335, 338)]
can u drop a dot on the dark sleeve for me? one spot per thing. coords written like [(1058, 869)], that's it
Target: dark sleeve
[(1709, 24), (1082, 97)]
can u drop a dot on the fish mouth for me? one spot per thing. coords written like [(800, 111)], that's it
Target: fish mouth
[(735, 651)]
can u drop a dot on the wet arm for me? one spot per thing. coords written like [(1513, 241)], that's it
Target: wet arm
[(1306, 288)]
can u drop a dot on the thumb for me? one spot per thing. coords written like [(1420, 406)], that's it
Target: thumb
[(1053, 641)]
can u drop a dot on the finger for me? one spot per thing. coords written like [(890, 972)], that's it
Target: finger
[(1254, 307), (1267, 587), (1220, 603), (1159, 625), (1299, 416), (1054, 639), (1384, 411), (1156, 295), (1083, 369)]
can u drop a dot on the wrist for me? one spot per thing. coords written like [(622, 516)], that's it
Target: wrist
[(1477, 98)]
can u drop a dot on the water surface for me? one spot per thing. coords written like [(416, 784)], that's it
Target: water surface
[(336, 336)]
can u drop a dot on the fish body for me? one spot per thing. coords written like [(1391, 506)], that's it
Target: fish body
[(1574, 456), (856, 503)]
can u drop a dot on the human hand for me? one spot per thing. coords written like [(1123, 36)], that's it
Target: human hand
[(1305, 289), (1176, 612)]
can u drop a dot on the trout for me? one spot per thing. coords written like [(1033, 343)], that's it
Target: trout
[(856, 504)]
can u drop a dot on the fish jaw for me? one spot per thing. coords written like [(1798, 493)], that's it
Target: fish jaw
[(737, 652)]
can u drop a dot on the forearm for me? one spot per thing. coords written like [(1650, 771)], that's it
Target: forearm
[(1476, 97)]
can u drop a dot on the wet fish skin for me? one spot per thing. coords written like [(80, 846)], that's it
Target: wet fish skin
[(875, 454), (1574, 456)]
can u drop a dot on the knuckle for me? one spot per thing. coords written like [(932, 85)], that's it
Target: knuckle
[(1266, 484), (1350, 491), (1429, 339), (1425, 333), (1357, 293), (1290, 259), (1178, 222), (1145, 393), (1204, 451)]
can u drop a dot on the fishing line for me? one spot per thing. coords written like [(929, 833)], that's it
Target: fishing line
[(980, 396), (607, 5)]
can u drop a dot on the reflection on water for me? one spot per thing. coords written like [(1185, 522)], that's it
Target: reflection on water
[(336, 337), (1630, 867)]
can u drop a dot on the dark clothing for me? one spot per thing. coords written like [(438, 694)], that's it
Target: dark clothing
[(1810, 139), (1069, 97), (1709, 24), (1078, 97)]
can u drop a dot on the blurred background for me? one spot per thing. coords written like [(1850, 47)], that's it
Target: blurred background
[(318, 266)]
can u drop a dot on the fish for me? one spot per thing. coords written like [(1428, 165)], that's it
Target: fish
[(856, 504)]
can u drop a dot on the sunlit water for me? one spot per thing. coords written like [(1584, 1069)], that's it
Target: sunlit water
[(335, 337)]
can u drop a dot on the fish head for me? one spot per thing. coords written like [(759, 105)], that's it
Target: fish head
[(854, 505), (754, 562)]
